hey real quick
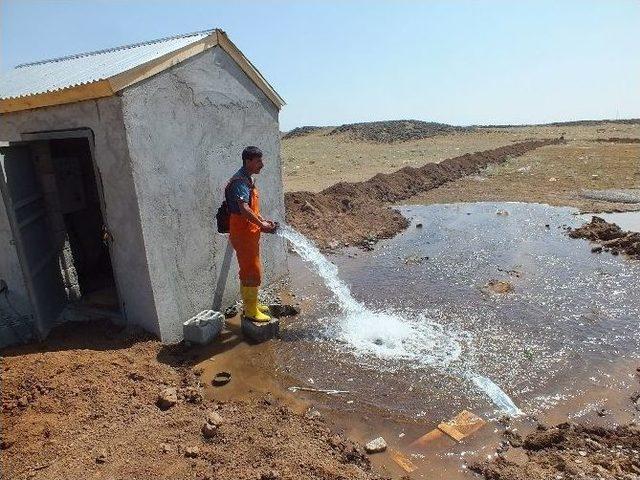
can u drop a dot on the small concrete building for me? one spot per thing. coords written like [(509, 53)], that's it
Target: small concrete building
[(112, 167)]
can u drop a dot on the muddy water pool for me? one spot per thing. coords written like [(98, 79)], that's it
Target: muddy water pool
[(570, 316)]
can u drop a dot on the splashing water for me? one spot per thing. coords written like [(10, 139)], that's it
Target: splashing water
[(390, 335)]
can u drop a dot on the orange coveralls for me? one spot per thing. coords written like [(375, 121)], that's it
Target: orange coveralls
[(245, 239)]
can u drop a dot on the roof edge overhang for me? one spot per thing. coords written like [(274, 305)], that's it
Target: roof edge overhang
[(110, 86)]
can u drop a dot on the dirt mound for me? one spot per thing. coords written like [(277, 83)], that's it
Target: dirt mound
[(574, 123), (610, 237), (301, 131), (357, 213), (395, 130), (77, 407), (618, 140), (569, 451)]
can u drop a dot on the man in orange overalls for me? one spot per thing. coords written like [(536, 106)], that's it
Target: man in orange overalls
[(245, 226)]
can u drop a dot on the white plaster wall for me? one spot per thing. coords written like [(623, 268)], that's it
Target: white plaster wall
[(104, 118), (186, 129)]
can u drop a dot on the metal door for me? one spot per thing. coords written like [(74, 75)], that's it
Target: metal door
[(34, 242)]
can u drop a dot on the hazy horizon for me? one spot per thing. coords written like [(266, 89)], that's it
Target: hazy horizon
[(459, 63)]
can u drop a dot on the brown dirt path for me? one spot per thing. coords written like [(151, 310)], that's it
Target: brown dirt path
[(83, 406)]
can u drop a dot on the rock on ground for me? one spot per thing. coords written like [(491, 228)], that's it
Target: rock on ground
[(376, 445)]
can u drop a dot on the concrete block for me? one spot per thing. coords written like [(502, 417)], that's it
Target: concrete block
[(203, 328), (260, 331)]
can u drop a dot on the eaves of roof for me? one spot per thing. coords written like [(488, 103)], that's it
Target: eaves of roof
[(131, 74)]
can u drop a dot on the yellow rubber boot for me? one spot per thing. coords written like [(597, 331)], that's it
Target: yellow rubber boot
[(264, 308), (250, 300)]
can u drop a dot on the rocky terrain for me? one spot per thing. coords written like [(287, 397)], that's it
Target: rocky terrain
[(567, 451)]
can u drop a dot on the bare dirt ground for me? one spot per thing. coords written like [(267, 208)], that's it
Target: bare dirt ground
[(84, 403), (83, 406), (568, 451), (555, 175), (331, 176), (318, 160), (359, 213)]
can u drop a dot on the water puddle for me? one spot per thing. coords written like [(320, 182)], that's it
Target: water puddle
[(410, 329)]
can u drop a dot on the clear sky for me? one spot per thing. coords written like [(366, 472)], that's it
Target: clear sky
[(459, 62)]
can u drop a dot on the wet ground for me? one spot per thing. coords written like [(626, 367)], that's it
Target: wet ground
[(567, 317)]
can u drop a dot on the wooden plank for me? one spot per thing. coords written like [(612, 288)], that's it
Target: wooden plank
[(427, 438), (403, 461), (78, 93), (462, 425)]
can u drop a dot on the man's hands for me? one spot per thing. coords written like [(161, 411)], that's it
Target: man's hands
[(268, 226)]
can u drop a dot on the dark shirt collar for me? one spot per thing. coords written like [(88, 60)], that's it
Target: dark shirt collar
[(243, 172)]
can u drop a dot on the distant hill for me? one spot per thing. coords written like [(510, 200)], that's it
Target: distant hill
[(405, 130), (301, 131), (396, 130), (575, 123)]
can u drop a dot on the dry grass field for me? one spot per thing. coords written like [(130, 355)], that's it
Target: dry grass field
[(315, 161)]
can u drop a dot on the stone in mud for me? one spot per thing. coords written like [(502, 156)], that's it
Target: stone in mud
[(260, 331), (498, 287), (208, 430), (167, 398), (101, 457), (516, 456), (513, 437), (278, 310), (376, 445), (214, 418), (192, 395), (231, 311), (544, 439), (191, 452)]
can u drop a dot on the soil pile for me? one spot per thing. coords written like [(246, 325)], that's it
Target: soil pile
[(95, 402), (574, 123), (396, 130), (357, 213), (569, 451), (610, 237), (618, 140), (300, 131)]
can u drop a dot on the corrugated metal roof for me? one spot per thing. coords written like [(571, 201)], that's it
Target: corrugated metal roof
[(59, 73)]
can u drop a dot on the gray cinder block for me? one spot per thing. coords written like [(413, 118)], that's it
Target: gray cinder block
[(204, 327), (260, 331)]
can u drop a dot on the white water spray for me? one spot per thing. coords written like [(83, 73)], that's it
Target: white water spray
[(390, 335)]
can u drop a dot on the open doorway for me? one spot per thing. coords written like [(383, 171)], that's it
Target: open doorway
[(52, 192), (84, 260)]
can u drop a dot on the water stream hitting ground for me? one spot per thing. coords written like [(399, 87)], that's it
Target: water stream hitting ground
[(410, 328)]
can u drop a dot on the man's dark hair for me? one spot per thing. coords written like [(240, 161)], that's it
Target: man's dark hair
[(249, 153)]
